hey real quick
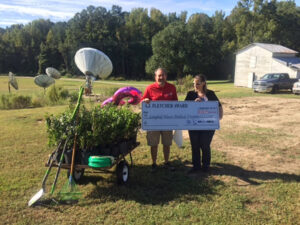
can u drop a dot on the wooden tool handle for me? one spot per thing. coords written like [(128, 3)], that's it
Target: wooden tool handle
[(73, 156)]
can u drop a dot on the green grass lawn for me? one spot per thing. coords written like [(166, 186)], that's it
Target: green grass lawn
[(162, 198)]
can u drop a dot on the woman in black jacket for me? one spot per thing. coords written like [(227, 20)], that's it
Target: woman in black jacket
[(201, 139)]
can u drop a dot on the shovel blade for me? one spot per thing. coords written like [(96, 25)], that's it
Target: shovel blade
[(36, 197)]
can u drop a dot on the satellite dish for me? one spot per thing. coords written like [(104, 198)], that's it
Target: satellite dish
[(12, 81), (52, 72), (43, 80), (91, 61)]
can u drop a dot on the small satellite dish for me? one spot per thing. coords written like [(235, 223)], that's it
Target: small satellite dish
[(52, 72), (43, 81), (12, 81), (91, 61)]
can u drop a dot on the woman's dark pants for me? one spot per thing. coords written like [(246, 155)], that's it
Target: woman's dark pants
[(201, 139)]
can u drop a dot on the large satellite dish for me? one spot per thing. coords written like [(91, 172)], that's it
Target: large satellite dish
[(43, 81), (12, 81), (52, 72), (91, 61)]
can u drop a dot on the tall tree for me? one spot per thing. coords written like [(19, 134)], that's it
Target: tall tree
[(170, 50), (203, 45), (225, 38), (288, 20), (138, 32)]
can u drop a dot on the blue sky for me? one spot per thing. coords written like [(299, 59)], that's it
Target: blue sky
[(24, 11)]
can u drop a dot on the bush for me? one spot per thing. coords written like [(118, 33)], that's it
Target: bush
[(184, 84), (38, 101), (52, 94), (68, 75), (55, 94), (21, 102), (63, 93), (5, 102), (96, 127), (15, 102), (73, 96)]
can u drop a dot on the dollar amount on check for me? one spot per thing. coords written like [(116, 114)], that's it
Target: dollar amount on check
[(184, 115)]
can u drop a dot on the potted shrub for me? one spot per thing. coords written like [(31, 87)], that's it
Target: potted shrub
[(109, 130)]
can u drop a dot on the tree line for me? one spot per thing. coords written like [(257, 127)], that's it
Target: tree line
[(139, 41)]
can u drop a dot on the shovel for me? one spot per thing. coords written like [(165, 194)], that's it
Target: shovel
[(41, 192)]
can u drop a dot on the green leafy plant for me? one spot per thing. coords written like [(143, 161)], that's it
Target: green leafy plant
[(95, 127)]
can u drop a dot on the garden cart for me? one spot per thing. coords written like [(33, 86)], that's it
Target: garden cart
[(102, 160)]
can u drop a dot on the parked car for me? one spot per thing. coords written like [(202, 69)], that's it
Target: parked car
[(273, 82), (296, 88)]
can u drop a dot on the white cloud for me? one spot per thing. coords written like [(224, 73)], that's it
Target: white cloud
[(34, 11), (14, 21)]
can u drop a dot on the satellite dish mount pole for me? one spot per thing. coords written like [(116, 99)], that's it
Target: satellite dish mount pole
[(88, 84)]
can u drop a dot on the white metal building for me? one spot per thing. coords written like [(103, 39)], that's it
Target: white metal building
[(257, 59)]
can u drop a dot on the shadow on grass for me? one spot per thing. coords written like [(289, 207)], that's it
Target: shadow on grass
[(90, 178), (248, 175), (157, 188), (165, 186)]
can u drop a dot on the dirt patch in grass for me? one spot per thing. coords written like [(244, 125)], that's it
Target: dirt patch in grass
[(260, 134)]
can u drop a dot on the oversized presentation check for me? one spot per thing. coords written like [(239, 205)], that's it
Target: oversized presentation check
[(184, 115)]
